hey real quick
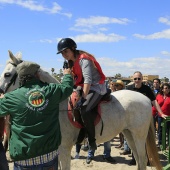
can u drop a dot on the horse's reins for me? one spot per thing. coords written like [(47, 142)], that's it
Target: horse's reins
[(13, 79)]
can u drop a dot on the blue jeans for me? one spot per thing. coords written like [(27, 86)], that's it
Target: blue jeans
[(159, 130), (52, 165), (107, 150), (3, 160), (126, 147)]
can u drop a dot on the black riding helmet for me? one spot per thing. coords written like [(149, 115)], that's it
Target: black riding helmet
[(65, 43)]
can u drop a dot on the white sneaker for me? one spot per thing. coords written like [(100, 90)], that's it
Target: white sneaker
[(77, 156)]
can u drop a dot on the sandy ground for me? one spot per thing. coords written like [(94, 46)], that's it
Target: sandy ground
[(99, 164)]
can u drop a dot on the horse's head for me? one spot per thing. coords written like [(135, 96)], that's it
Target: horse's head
[(8, 78)]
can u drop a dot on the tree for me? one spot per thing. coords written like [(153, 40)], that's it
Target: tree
[(118, 75), (52, 70)]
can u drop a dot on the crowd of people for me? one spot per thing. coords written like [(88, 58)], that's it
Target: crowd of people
[(33, 143)]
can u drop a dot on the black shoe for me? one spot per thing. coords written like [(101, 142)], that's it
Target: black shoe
[(93, 146), (148, 163), (110, 159), (125, 153), (88, 160), (132, 162)]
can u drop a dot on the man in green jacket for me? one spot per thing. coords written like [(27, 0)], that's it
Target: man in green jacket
[(34, 111)]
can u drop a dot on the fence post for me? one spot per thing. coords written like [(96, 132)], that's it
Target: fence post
[(163, 146)]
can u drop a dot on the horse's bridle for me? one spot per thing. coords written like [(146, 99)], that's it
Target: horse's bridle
[(14, 77)]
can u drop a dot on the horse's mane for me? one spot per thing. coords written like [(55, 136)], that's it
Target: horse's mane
[(46, 77)]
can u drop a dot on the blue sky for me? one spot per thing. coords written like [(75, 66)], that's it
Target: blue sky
[(124, 35)]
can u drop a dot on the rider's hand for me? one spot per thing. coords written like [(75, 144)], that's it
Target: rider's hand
[(66, 71), (80, 102)]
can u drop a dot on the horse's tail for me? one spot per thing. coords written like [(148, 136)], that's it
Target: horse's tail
[(151, 148)]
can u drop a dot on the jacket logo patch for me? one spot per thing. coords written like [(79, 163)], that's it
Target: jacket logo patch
[(36, 99)]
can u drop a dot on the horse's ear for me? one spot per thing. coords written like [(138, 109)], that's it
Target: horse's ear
[(13, 58), (18, 55)]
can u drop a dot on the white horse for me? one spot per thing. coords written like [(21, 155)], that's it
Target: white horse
[(128, 112)]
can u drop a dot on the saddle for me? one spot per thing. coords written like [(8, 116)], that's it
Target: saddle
[(74, 114)]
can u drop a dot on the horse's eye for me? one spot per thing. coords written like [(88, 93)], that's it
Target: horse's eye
[(7, 74)]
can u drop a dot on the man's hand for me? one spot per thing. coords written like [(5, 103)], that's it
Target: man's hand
[(164, 116), (1, 95), (66, 71)]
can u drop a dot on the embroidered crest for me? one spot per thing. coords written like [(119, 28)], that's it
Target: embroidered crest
[(36, 98)]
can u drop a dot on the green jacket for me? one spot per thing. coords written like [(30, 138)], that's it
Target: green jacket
[(34, 111)]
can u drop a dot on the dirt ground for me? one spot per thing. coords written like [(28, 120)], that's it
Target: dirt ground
[(98, 163)]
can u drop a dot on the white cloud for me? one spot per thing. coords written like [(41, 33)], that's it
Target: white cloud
[(166, 53), (46, 41), (147, 65), (35, 6), (99, 37), (165, 34), (99, 20), (164, 20), (79, 29)]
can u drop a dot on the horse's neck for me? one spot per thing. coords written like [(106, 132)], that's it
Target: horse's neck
[(46, 77), (64, 105)]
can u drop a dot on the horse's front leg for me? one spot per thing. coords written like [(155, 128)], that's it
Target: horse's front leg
[(64, 160)]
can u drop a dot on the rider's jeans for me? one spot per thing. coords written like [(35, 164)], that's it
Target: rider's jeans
[(3, 160), (52, 165)]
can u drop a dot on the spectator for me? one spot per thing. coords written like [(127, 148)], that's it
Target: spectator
[(112, 85), (146, 90), (3, 159), (163, 99), (34, 111), (156, 90), (119, 85)]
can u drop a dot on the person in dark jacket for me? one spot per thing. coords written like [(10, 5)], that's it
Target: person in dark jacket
[(34, 111), (3, 159), (138, 86)]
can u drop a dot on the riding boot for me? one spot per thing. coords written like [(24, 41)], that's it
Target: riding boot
[(88, 119)]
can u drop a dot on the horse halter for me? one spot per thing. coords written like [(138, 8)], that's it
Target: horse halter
[(13, 79)]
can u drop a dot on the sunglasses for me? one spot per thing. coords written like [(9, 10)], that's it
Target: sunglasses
[(166, 88), (137, 79), (116, 85)]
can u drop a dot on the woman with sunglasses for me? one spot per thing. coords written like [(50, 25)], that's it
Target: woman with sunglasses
[(163, 99), (138, 86)]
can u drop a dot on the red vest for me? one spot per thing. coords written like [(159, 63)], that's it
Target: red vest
[(78, 77)]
